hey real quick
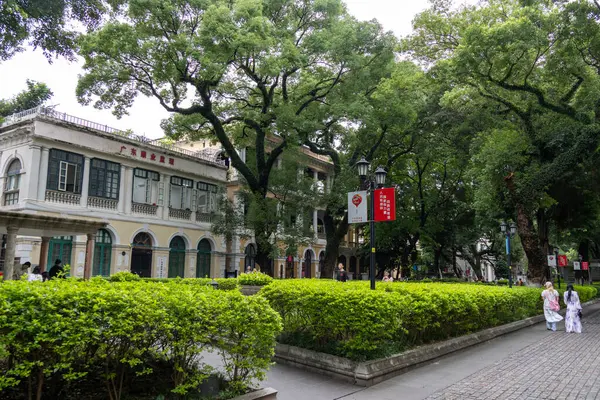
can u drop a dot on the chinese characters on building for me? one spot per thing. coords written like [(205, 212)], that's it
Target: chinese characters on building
[(133, 152)]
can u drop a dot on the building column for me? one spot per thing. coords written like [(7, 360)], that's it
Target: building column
[(9, 255), (44, 253), (315, 223), (166, 179), (122, 194), (32, 172), (85, 186), (89, 253), (128, 198), (43, 174)]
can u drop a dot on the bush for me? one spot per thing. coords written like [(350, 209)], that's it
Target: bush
[(124, 276), (349, 320), (60, 334), (586, 293), (255, 279)]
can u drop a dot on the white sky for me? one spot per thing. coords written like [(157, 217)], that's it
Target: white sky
[(146, 113)]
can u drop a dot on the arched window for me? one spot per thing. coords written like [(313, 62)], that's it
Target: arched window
[(177, 257), (250, 260), (141, 255), (102, 253), (307, 265), (321, 261), (203, 259), (12, 182)]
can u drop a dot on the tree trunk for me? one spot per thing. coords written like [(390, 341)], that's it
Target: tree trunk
[(334, 233), (538, 271), (455, 268)]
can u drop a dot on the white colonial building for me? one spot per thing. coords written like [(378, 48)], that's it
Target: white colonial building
[(63, 177)]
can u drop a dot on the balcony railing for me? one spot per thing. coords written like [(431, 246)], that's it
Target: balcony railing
[(100, 202), (203, 217), (145, 209), (180, 214), (63, 197)]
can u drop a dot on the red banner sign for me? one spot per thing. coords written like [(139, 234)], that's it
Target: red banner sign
[(585, 265), (385, 205), (562, 261)]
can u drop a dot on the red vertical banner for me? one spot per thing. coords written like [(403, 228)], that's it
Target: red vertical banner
[(562, 261), (585, 265), (385, 205)]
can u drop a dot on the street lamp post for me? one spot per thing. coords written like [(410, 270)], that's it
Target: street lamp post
[(363, 167), (558, 271), (509, 231)]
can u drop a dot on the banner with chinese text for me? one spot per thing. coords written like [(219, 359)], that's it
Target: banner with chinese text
[(357, 207), (385, 205)]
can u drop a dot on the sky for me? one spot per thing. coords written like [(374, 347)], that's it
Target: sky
[(146, 113)]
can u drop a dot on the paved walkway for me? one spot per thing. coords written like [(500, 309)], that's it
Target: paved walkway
[(532, 363)]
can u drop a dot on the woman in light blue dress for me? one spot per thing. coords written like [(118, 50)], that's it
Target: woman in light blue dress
[(551, 307), (572, 319)]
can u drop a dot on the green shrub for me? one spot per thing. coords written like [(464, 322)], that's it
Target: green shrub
[(350, 320), (124, 276), (586, 293), (255, 278), (227, 284), (119, 332)]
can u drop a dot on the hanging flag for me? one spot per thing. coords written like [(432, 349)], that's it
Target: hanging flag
[(385, 205), (552, 261), (562, 261), (357, 207)]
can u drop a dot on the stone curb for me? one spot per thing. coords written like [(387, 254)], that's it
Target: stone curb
[(371, 372), (260, 394)]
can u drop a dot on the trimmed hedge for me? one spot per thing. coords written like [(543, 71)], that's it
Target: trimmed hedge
[(350, 320), (255, 279), (119, 332)]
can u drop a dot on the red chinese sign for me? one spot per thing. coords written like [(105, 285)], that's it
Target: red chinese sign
[(133, 152), (562, 261), (585, 265), (385, 204)]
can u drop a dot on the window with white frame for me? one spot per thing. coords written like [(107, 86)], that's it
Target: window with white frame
[(145, 186), (104, 179), (180, 193), (65, 171), (12, 183), (206, 199)]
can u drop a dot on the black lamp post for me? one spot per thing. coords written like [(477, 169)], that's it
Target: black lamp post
[(509, 231), (363, 167), (558, 270)]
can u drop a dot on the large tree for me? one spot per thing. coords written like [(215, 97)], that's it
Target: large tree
[(48, 24), (535, 62), (239, 72), (36, 94)]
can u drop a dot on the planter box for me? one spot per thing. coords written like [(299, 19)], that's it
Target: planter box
[(371, 372), (250, 290), (260, 394)]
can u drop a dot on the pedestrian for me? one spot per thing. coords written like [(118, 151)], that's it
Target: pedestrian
[(341, 276), (35, 275), (551, 307), (520, 283), (57, 270), (573, 315), (20, 270), (248, 269), (387, 277), (45, 276)]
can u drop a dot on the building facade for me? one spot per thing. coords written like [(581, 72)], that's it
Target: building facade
[(155, 199)]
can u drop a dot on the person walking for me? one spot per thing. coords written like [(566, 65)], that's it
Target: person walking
[(35, 275), (341, 276), (551, 306), (573, 315), (57, 270), (387, 277)]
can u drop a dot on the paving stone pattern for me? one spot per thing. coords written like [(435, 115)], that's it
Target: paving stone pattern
[(561, 366)]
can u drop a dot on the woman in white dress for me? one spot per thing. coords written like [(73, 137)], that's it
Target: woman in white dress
[(572, 319), (35, 275), (551, 306)]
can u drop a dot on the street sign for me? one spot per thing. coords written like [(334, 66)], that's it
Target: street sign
[(562, 261), (385, 205), (576, 265), (585, 265), (551, 261), (357, 207)]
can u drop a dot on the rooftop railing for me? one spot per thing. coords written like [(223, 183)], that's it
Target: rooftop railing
[(50, 113)]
